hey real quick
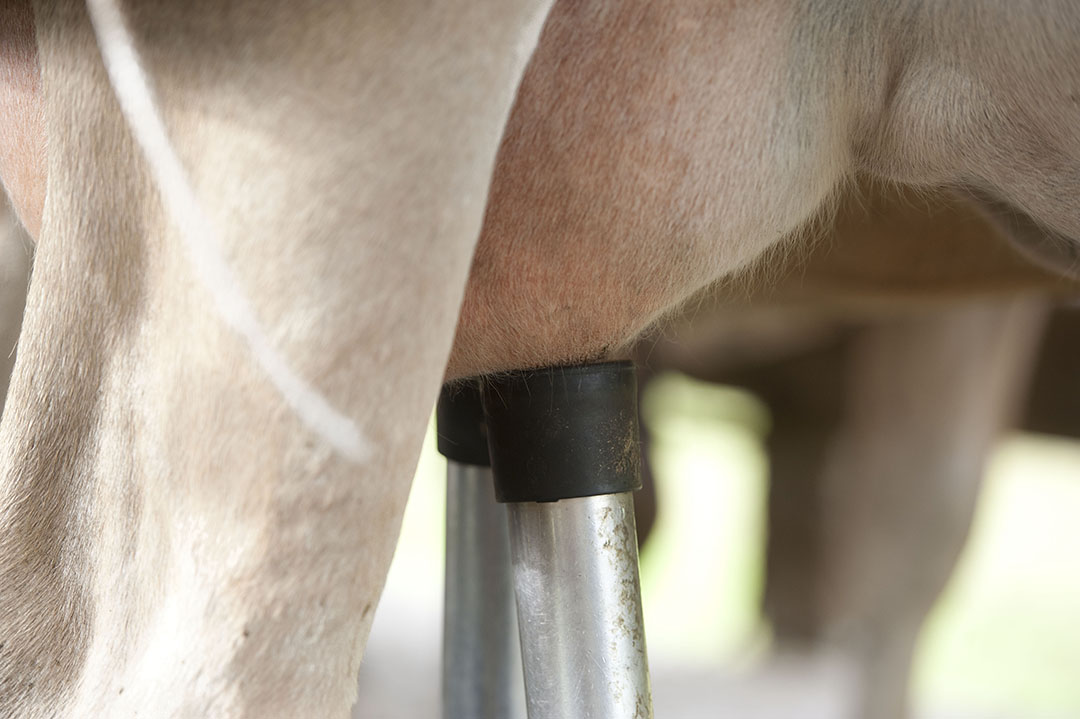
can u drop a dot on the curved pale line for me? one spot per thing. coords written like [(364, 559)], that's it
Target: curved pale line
[(136, 97)]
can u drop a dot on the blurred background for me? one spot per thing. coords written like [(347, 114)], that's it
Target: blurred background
[(1002, 643)]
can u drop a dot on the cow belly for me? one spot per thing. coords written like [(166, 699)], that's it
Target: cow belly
[(654, 148)]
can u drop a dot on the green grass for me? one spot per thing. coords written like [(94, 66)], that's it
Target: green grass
[(1007, 633), (701, 570)]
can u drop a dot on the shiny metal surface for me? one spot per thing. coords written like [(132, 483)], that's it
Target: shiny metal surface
[(579, 608), (482, 676)]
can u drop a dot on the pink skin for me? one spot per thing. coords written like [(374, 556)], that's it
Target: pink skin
[(22, 120), (613, 201)]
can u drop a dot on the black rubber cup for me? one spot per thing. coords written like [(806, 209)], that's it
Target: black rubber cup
[(563, 432), (459, 424)]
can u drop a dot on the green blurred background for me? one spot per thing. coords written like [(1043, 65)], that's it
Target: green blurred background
[(1003, 642)]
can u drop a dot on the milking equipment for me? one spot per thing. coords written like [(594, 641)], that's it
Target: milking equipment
[(565, 459)]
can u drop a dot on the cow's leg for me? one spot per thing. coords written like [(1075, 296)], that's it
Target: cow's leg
[(177, 541), (1055, 391), (805, 394), (927, 398)]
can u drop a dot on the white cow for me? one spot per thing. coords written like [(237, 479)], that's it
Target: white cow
[(220, 395), (891, 357)]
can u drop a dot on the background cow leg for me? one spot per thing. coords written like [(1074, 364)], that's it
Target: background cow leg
[(927, 397), (805, 394), (880, 434), (799, 370)]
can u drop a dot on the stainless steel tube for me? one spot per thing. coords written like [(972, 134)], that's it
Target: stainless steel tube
[(482, 676), (579, 608)]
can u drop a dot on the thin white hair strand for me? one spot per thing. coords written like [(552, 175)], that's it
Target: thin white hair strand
[(138, 103)]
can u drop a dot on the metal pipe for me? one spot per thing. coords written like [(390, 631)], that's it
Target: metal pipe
[(482, 676), (579, 608)]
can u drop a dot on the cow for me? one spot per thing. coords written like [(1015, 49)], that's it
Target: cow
[(255, 224), (891, 358)]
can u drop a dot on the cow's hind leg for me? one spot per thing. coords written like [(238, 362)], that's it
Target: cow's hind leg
[(178, 540), (927, 397), (805, 393)]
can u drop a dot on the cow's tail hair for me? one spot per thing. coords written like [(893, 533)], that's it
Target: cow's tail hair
[(137, 100)]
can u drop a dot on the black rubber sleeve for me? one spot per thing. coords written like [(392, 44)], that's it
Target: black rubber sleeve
[(459, 424), (563, 432)]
